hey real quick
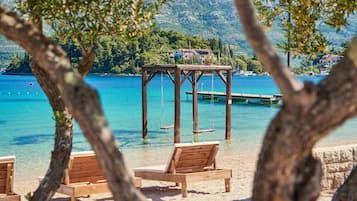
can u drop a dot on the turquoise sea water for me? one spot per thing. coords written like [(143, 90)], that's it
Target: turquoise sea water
[(27, 125)]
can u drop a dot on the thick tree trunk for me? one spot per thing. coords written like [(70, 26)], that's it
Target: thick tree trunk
[(88, 57), (63, 129), (286, 169), (81, 99), (63, 138)]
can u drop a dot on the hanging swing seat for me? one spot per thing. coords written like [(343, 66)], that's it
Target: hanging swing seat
[(203, 131), (167, 127)]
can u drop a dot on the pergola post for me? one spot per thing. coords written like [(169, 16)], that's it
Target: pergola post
[(144, 104), (177, 105), (194, 101), (228, 104)]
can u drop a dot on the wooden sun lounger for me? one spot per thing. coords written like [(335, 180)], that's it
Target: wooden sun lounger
[(7, 166), (189, 162), (84, 177)]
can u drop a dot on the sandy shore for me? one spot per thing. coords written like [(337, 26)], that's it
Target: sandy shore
[(241, 161)]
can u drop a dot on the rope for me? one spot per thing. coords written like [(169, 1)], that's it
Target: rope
[(212, 101), (163, 117)]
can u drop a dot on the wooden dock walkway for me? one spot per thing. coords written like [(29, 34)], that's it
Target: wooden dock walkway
[(239, 97)]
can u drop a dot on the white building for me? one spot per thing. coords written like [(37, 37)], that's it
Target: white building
[(200, 56), (327, 61)]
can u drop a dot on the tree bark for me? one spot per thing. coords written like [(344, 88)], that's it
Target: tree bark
[(81, 99), (88, 57), (63, 138), (286, 169), (63, 129)]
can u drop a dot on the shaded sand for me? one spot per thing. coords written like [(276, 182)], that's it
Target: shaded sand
[(239, 159)]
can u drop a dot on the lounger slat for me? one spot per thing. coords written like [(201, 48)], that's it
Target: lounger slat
[(80, 165), (3, 166), (84, 176), (89, 179), (195, 155), (90, 169), (2, 174), (86, 159), (7, 165), (189, 162), (198, 149), (2, 186), (89, 172)]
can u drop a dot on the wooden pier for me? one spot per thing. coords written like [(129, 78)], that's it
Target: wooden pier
[(239, 97)]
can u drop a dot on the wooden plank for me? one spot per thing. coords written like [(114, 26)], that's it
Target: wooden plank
[(86, 174), (12, 197), (192, 163), (2, 189), (171, 77), (8, 188), (194, 155), (220, 74), (65, 189), (238, 95), (167, 127), (178, 178), (85, 179), (197, 149), (91, 165), (3, 166), (186, 170), (2, 174), (92, 188), (190, 177), (84, 159), (209, 175), (209, 130), (212, 157)]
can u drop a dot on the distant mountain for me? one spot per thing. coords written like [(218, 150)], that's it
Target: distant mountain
[(218, 18), (209, 19)]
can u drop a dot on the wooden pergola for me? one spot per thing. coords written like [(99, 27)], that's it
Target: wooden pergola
[(178, 74)]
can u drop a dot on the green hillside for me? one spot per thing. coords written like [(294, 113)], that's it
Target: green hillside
[(218, 18), (207, 19)]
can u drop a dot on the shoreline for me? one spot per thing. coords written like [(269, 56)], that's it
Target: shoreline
[(239, 159)]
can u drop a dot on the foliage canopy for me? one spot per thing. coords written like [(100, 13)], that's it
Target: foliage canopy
[(302, 21)]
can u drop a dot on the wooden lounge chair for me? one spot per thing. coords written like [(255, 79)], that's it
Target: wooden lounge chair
[(7, 166), (83, 177), (189, 162)]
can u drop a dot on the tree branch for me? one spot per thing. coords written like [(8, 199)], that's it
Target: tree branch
[(286, 169), (81, 99), (283, 77)]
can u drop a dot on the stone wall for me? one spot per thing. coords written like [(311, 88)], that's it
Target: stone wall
[(337, 163)]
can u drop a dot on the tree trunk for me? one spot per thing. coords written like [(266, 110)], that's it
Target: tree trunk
[(63, 129), (82, 101), (63, 138), (88, 57), (286, 169)]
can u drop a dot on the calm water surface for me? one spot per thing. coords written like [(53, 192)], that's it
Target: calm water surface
[(27, 125)]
